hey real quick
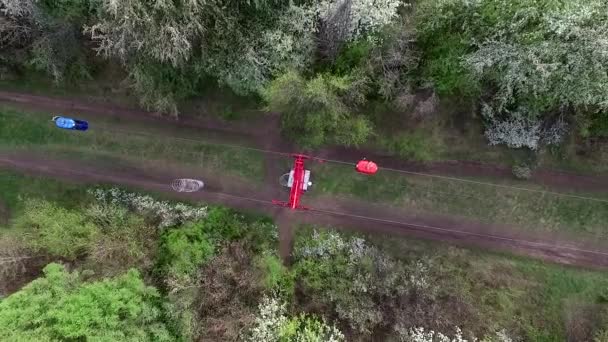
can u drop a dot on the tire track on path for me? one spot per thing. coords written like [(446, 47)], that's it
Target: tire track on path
[(331, 212)]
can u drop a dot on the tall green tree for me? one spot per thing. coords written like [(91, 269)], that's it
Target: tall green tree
[(62, 307), (45, 36), (533, 60), (320, 110)]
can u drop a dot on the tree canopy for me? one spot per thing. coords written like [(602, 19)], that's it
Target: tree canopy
[(62, 306)]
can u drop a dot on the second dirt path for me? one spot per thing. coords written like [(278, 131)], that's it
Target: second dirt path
[(345, 214)]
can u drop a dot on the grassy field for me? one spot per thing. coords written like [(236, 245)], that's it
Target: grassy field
[(453, 132), (528, 210), (15, 187), (540, 301), (36, 131), (109, 85)]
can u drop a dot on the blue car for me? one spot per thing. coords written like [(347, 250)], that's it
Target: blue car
[(69, 123)]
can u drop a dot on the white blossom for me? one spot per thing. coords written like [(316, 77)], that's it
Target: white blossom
[(323, 245), (517, 130), (169, 214), (420, 334), (271, 317), (366, 16), (270, 322)]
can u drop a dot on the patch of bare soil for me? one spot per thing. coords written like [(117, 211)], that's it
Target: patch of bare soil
[(336, 212)]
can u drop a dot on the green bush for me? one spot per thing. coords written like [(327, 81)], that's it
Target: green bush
[(442, 64), (277, 278), (160, 86), (320, 110), (61, 307), (352, 56), (183, 250), (224, 224), (522, 172), (73, 10), (442, 57), (125, 240), (599, 125), (55, 230)]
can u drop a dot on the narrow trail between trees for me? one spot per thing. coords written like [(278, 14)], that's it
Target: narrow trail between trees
[(339, 213), (265, 132)]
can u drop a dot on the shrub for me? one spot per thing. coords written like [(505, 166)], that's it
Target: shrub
[(316, 111), (164, 214), (125, 240), (182, 251), (522, 172), (370, 291), (272, 325), (352, 56), (161, 86), (228, 288), (277, 278), (350, 275), (422, 335), (522, 129), (60, 306), (519, 129), (55, 230)]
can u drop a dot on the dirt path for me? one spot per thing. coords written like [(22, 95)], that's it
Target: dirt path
[(266, 134), (336, 212), (272, 173)]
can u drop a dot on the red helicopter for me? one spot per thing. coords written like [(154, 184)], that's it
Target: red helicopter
[(299, 179)]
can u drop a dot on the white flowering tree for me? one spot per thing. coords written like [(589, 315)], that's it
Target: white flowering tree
[(358, 280), (161, 30), (423, 335), (536, 59), (16, 23), (246, 53), (168, 214), (341, 21), (48, 34), (272, 325)]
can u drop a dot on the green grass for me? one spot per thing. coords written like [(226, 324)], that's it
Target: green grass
[(524, 209), (14, 187), (36, 132), (417, 145), (108, 86), (535, 296), (526, 297), (105, 87)]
